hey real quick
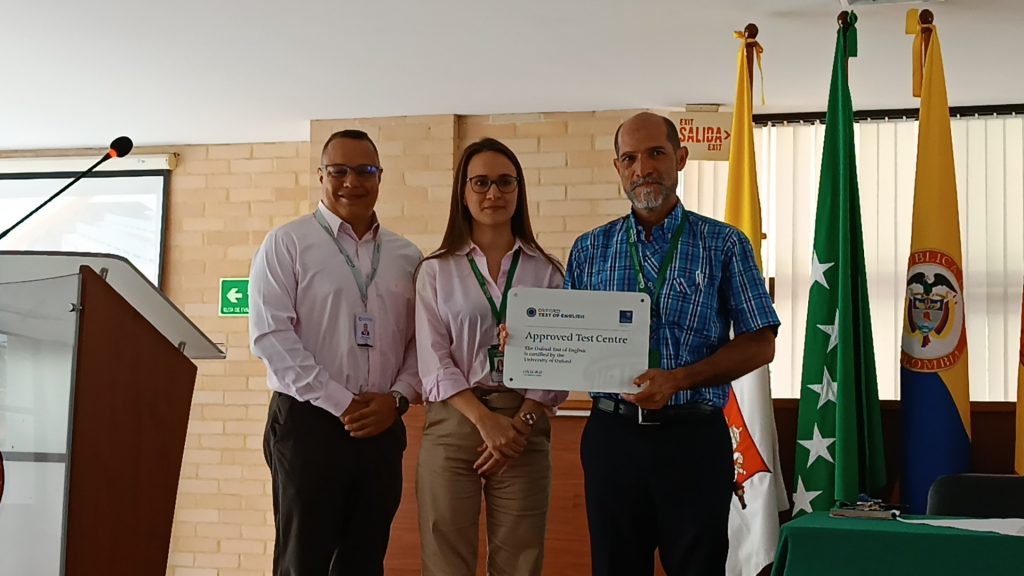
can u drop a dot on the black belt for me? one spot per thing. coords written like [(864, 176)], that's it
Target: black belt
[(498, 398), (667, 414)]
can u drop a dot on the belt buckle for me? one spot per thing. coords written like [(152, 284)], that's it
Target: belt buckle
[(640, 417)]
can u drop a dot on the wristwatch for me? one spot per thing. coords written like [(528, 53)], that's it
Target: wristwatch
[(529, 418), (401, 402)]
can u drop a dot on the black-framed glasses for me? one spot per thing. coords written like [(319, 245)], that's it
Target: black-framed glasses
[(481, 184), (341, 171)]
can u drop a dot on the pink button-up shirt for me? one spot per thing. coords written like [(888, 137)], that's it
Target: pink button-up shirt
[(303, 302), (455, 325)]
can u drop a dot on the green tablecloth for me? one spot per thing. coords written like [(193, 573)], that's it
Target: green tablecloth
[(818, 544)]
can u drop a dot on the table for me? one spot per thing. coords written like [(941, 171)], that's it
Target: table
[(818, 544)]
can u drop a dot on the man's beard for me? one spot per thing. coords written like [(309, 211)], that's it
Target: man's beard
[(647, 194)]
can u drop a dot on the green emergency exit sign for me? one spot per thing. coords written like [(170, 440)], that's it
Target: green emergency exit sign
[(234, 297)]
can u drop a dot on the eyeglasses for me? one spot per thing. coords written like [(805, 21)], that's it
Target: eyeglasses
[(341, 171), (481, 184)]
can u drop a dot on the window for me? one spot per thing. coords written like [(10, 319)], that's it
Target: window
[(118, 209), (989, 156)]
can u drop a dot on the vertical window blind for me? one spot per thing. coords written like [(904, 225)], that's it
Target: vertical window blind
[(989, 157)]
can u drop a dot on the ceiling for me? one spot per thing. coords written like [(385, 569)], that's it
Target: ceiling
[(76, 73)]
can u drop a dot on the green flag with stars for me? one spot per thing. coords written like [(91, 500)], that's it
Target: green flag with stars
[(839, 433)]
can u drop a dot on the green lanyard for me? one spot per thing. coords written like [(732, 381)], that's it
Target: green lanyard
[(362, 283), (499, 313), (654, 358)]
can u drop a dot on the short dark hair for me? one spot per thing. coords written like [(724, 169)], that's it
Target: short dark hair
[(672, 135), (349, 135)]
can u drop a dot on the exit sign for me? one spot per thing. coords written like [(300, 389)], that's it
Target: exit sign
[(234, 297)]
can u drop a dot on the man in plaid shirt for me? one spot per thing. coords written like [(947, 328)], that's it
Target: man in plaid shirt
[(658, 464)]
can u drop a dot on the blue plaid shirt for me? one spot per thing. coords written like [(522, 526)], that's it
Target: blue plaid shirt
[(713, 285)]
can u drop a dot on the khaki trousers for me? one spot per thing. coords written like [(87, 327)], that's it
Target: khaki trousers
[(449, 490)]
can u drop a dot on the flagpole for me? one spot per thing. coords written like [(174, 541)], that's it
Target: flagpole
[(750, 33), (844, 22), (926, 18)]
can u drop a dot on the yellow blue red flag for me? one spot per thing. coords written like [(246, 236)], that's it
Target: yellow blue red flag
[(934, 391)]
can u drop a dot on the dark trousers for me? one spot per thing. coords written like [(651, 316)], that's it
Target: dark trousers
[(665, 486), (334, 496)]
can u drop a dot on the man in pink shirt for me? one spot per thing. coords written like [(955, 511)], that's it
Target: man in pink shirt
[(331, 315)]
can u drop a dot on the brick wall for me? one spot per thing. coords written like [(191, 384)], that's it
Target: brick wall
[(223, 201)]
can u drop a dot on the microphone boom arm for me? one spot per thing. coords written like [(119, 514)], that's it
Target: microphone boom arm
[(120, 147), (54, 196)]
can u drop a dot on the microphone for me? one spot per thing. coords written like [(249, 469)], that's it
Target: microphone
[(119, 148)]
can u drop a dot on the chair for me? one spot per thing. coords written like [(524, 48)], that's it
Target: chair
[(977, 496)]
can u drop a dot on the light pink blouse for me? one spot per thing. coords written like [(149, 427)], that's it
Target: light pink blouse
[(455, 326)]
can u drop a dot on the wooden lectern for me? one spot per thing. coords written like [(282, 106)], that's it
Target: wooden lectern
[(96, 384)]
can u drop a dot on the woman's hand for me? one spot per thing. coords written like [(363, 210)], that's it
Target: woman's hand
[(500, 435), (503, 442), (489, 464)]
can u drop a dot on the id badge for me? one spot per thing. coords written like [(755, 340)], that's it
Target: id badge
[(496, 360), (364, 330)]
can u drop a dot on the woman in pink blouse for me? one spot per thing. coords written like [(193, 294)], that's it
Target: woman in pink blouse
[(480, 435)]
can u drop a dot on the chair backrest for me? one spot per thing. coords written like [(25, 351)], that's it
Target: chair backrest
[(977, 496)]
